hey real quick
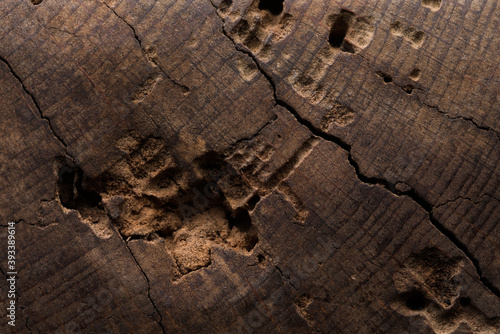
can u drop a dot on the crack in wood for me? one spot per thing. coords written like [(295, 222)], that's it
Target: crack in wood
[(415, 197), (37, 106), (282, 274), (139, 41), (437, 206), (469, 120), (160, 321)]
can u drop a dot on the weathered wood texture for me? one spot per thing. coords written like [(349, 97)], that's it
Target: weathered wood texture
[(251, 166)]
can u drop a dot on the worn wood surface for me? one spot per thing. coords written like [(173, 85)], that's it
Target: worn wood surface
[(251, 166)]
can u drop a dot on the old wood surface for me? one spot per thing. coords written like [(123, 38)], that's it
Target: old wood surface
[(251, 166)]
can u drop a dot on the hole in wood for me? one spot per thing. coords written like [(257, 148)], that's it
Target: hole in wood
[(275, 7), (416, 301), (339, 28), (387, 78)]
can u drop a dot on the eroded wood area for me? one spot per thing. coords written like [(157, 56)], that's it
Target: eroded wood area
[(251, 166)]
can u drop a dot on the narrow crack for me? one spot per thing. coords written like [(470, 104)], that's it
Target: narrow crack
[(26, 325), (414, 196), (466, 119), (42, 227), (282, 274), (60, 30), (37, 106), (184, 88), (42, 24), (256, 133), (437, 206), (455, 240), (159, 322)]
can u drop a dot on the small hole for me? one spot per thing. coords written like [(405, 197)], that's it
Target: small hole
[(243, 223), (386, 77), (210, 160), (66, 186), (252, 202), (408, 89), (347, 47), (275, 7), (225, 5), (339, 28), (464, 301), (416, 301), (166, 233), (72, 194)]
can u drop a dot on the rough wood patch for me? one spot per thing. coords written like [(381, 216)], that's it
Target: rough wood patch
[(251, 166)]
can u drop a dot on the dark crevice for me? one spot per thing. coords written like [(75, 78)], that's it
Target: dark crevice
[(139, 41), (464, 301), (347, 47), (275, 7), (453, 238), (72, 194), (252, 202), (261, 258), (408, 89), (339, 30), (418, 199), (160, 320), (416, 301), (225, 5), (242, 221), (386, 77), (37, 106)]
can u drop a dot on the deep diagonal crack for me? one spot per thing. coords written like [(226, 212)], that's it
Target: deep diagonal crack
[(139, 41), (414, 196), (160, 321), (37, 106)]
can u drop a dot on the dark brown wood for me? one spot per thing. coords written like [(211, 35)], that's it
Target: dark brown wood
[(251, 166)]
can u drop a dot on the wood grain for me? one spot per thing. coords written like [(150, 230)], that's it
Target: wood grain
[(251, 166)]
